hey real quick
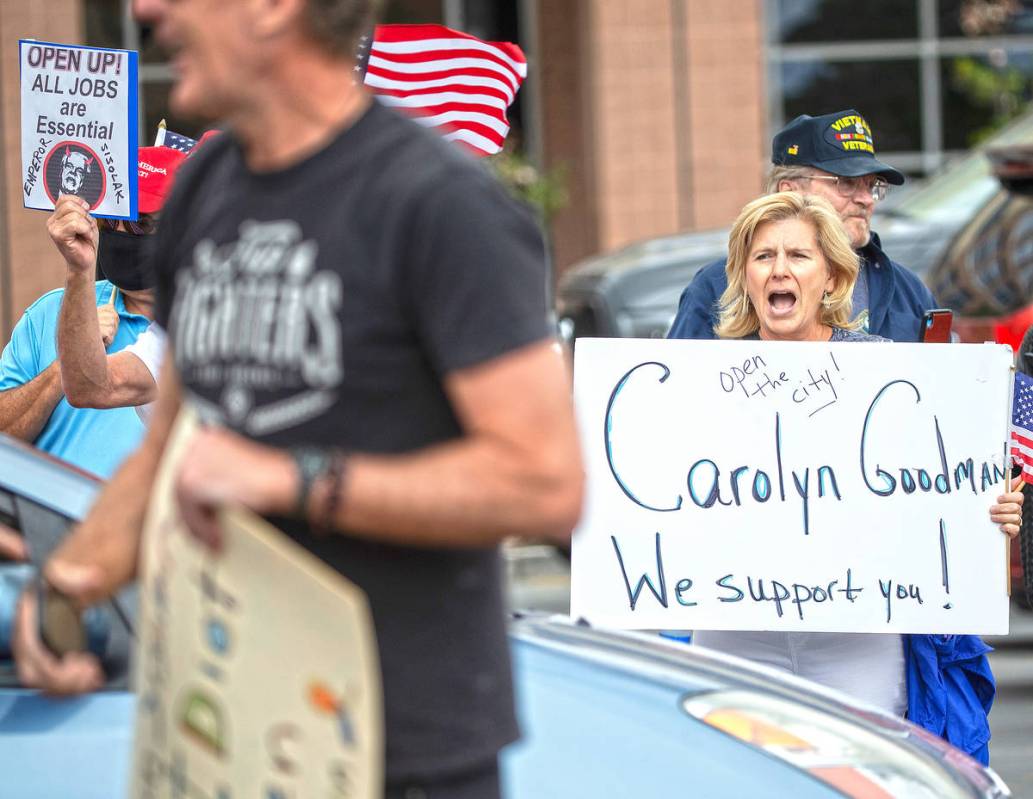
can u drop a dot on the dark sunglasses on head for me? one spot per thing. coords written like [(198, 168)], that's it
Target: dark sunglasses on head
[(143, 226)]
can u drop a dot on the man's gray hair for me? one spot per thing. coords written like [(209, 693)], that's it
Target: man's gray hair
[(780, 173), (338, 24)]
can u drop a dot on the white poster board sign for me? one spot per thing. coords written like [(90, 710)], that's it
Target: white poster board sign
[(79, 126), (257, 671), (748, 485)]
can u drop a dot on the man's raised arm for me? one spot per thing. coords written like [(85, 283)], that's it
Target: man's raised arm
[(89, 376)]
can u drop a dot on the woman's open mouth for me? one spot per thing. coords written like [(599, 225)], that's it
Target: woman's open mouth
[(781, 303)]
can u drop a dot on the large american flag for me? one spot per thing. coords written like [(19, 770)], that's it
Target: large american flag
[(1022, 425), (448, 80)]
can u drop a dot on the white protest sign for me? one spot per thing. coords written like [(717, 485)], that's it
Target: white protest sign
[(79, 126), (749, 485), (257, 671)]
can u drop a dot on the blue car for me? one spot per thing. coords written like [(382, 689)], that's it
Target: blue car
[(604, 714), (76, 748)]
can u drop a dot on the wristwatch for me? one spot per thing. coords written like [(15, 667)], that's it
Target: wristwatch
[(312, 463)]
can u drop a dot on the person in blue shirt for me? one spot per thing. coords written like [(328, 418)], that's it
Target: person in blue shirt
[(33, 405), (832, 156)]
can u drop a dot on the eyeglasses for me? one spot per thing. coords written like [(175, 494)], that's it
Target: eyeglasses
[(144, 225), (848, 187)]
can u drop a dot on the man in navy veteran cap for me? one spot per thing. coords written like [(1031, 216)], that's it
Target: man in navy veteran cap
[(832, 156)]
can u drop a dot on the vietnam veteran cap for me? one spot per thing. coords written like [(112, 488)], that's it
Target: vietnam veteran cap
[(839, 143)]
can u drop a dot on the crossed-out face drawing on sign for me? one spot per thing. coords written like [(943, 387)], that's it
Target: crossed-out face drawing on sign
[(73, 168)]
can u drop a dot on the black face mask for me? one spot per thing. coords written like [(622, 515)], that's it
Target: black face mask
[(124, 260)]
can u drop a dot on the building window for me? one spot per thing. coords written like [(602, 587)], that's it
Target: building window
[(982, 92), (884, 91), (975, 18), (933, 77), (800, 21)]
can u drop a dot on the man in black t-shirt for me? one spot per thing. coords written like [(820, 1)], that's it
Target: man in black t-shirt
[(359, 311)]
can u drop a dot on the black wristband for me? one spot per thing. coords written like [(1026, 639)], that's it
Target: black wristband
[(312, 463), (335, 484)]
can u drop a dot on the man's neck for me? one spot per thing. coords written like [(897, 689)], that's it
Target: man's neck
[(144, 306), (301, 107)]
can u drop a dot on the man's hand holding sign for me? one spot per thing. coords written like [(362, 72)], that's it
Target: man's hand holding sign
[(75, 233)]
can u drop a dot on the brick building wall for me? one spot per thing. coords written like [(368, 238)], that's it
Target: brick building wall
[(657, 110), (29, 264), (631, 79), (727, 140)]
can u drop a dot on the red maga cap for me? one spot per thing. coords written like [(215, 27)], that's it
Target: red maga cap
[(208, 134), (155, 174)]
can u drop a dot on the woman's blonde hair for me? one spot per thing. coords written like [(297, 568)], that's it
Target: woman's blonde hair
[(737, 316)]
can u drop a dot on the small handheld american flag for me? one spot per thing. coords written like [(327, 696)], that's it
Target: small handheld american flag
[(1022, 426), (177, 141), (448, 80)]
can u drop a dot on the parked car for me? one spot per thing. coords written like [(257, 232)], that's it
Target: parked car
[(77, 747), (618, 714), (604, 714)]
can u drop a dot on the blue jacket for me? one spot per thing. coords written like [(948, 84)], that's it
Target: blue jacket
[(897, 299), (950, 690)]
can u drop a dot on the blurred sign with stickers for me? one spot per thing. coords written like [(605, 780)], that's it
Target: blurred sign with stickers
[(256, 670)]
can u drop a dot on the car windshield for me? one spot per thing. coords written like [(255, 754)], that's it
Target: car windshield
[(963, 186)]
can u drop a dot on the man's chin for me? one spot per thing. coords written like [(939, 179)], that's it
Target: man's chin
[(185, 101), (859, 237)]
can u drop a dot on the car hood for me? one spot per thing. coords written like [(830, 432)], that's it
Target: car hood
[(79, 746)]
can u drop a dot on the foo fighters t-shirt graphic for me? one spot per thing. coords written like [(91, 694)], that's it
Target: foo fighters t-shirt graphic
[(254, 317)]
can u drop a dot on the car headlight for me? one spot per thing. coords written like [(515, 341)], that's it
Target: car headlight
[(855, 761)]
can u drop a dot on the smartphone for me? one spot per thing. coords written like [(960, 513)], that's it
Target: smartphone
[(936, 326), (9, 522), (61, 627)]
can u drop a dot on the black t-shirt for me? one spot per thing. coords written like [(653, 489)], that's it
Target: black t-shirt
[(322, 305)]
